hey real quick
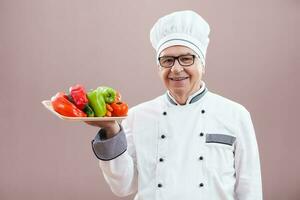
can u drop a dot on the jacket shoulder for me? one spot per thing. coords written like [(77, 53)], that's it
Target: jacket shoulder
[(221, 103)]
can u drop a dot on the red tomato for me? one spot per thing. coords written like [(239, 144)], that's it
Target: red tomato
[(119, 108)]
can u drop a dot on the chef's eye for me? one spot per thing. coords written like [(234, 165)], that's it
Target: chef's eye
[(166, 61), (186, 60)]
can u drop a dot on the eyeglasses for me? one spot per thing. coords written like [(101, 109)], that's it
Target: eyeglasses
[(183, 60)]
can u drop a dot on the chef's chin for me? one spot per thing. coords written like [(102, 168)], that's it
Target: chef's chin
[(179, 90)]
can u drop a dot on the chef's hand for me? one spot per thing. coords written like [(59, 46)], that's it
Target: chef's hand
[(111, 127)]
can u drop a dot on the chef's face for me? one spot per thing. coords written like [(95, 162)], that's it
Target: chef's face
[(181, 80)]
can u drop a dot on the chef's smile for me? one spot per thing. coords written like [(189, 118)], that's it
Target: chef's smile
[(178, 78), (178, 81)]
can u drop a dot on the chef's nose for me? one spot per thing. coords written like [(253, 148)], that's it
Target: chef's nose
[(176, 68)]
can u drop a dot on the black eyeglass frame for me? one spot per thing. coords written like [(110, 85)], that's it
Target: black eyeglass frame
[(177, 58)]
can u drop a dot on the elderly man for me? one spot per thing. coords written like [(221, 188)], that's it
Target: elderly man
[(188, 143)]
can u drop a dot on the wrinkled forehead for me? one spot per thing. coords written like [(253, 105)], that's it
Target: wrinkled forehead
[(177, 50)]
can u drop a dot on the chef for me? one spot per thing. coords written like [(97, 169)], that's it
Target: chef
[(189, 143)]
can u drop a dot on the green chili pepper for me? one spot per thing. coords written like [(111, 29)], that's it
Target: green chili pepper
[(97, 102), (88, 110)]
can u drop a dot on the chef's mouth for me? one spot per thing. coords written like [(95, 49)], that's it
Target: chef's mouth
[(178, 78)]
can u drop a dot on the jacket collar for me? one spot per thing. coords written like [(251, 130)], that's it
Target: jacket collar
[(193, 98)]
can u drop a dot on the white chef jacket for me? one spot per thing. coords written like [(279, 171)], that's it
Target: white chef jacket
[(205, 150)]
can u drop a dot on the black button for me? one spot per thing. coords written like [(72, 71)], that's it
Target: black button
[(165, 113), (161, 160), (159, 185), (202, 111), (163, 136), (201, 158), (201, 185), (201, 134)]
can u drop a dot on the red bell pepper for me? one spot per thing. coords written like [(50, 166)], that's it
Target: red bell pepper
[(63, 106), (78, 95)]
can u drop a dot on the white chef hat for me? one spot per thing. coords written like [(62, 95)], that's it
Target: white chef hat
[(185, 28)]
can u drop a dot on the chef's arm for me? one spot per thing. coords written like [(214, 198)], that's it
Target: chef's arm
[(247, 163), (116, 156)]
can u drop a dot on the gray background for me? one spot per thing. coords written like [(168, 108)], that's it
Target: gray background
[(47, 46)]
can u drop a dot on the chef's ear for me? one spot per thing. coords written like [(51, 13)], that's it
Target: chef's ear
[(159, 67), (203, 69)]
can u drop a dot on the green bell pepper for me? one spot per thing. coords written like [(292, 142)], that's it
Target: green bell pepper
[(96, 101), (108, 93)]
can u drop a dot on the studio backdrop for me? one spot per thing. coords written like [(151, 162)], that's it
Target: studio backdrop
[(47, 46)]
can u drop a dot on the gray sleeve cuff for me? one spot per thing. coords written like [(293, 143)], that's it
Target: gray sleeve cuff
[(108, 149)]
